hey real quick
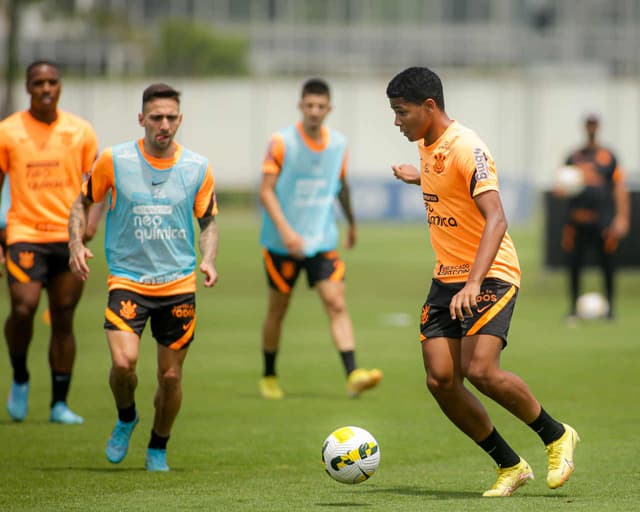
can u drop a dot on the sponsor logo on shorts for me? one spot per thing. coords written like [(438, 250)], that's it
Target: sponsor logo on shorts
[(485, 300), (184, 311), (128, 309), (482, 166), (26, 259)]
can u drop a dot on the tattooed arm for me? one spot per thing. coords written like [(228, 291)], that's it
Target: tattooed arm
[(78, 252), (208, 249)]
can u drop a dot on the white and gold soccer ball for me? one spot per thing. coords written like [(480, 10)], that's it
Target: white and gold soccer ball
[(350, 455), (591, 306), (569, 181)]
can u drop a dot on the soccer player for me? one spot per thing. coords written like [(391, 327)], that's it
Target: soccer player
[(157, 186), (45, 152), (466, 316), (302, 174), (598, 216)]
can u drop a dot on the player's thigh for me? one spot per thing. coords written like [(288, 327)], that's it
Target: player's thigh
[(481, 354), (278, 302), (441, 358), (332, 293), (170, 362), (25, 297), (64, 291), (124, 347)]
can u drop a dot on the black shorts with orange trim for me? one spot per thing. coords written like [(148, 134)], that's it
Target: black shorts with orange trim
[(283, 270), (28, 262), (172, 318), (492, 314)]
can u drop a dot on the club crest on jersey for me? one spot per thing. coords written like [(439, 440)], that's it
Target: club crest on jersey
[(438, 162), (482, 166)]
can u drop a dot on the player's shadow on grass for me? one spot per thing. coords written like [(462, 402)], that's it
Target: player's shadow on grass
[(440, 494), (106, 470), (342, 504)]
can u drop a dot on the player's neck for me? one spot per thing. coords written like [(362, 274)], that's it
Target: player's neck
[(437, 128), (46, 116), (155, 152), (313, 132)]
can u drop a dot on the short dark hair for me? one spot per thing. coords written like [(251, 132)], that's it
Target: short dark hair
[(38, 63), (415, 85), (159, 90), (315, 86)]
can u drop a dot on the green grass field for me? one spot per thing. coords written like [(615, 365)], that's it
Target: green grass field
[(231, 450)]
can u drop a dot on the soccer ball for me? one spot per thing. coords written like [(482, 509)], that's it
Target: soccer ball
[(350, 455), (591, 306), (569, 181)]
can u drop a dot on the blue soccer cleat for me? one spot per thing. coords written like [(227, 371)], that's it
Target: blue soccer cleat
[(60, 413), (156, 460), (18, 401), (118, 443)]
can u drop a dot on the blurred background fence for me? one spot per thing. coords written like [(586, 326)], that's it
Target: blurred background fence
[(522, 73)]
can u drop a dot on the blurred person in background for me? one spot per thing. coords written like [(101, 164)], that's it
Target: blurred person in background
[(598, 216), (156, 187), (46, 153), (304, 171), (466, 317)]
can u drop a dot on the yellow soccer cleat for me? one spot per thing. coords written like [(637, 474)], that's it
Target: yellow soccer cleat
[(270, 389), (560, 454), (509, 479), (360, 380)]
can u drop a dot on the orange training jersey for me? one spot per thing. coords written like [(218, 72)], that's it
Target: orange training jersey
[(103, 180), (46, 164), (454, 169)]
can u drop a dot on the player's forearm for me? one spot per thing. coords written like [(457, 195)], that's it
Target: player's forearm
[(208, 240), (622, 201), (78, 219), (344, 198), (272, 206)]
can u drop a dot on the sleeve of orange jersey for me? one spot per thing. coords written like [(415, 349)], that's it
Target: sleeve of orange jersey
[(89, 150), (345, 165), (102, 178), (480, 176), (4, 151), (274, 158), (205, 203)]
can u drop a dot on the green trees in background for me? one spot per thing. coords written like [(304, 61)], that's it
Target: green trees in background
[(186, 48)]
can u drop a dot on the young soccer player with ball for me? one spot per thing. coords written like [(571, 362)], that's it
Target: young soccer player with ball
[(465, 319)]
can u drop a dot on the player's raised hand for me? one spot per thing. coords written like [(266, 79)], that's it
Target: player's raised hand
[(407, 173), (78, 256)]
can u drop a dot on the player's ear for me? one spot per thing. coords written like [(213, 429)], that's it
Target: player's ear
[(141, 119), (429, 105)]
